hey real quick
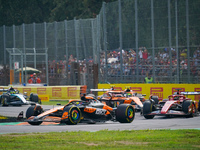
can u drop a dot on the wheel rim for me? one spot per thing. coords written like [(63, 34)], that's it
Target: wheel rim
[(130, 113), (75, 115), (5, 100), (191, 109)]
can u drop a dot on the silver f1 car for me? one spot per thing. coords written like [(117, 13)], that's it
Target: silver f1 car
[(13, 97)]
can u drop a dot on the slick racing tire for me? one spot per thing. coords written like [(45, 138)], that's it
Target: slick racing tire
[(4, 100), (155, 98), (34, 98), (73, 113), (34, 111), (188, 108), (125, 113), (147, 109)]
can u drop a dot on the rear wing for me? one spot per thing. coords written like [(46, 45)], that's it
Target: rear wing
[(190, 93), (99, 90), (3, 90)]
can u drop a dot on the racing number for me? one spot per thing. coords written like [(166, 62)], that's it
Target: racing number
[(100, 111)]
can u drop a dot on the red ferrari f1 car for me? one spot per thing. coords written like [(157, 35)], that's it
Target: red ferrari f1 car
[(176, 105), (88, 111)]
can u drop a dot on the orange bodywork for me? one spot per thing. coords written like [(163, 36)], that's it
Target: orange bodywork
[(120, 96), (106, 107), (51, 111)]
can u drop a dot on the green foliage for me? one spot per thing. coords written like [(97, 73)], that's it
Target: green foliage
[(18, 12)]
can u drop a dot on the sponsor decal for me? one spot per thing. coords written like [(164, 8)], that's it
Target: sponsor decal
[(130, 113), (157, 91), (89, 110), (27, 90), (44, 98), (197, 97), (100, 112), (41, 91), (75, 114), (137, 89), (56, 92), (72, 91)]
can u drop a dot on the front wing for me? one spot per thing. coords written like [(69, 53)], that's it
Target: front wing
[(169, 112)]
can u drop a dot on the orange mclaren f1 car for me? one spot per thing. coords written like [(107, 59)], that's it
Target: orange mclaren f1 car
[(176, 105), (88, 111), (113, 98)]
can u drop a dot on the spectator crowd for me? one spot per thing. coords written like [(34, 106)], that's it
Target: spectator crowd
[(162, 59), (145, 63)]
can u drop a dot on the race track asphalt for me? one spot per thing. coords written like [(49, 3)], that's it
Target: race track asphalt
[(139, 123)]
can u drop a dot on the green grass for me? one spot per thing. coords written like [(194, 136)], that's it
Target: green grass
[(55, 102), (105, 140)]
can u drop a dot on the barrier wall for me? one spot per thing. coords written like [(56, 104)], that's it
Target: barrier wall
[(54, 92), (161, 90)]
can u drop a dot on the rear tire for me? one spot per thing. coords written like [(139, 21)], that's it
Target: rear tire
[(74, 115), (125, 113), (188, 108), (34, 98), (147, 109), (155, 98)]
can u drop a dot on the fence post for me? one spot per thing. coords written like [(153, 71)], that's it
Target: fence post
[(98, 44), (56, 40), (136, 41), (153, 43), (14, 46), (93, 42), (76, 38), (4, 43), (66, 51), (34, 45), (105, 40), (45, 45), (83, 37), (177, 51), (34, 35), (188, 41), (24, 53), (120, 39), (170, 39)]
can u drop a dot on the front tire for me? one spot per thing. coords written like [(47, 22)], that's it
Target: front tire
[(34, 111), (147, 109), (125, 113), (73, 113)]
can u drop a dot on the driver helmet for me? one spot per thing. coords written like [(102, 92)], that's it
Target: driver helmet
[(128, 94)]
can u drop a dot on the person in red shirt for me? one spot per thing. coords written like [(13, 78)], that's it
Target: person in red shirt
[(145, 54), (34, 79)]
